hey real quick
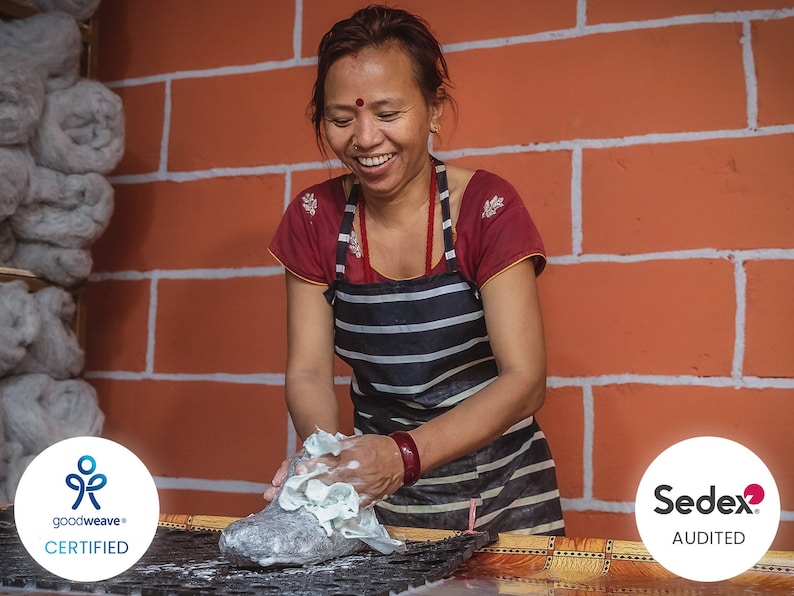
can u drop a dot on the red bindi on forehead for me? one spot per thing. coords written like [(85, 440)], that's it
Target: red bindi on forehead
[(359, 102)]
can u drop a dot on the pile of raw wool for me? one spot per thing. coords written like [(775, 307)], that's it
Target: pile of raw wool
[(61, 134)]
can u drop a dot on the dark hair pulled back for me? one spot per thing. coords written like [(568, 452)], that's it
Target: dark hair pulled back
[(378, 26)]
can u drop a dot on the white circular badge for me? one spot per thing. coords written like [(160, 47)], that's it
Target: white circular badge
[(707, 509), (86, 509)]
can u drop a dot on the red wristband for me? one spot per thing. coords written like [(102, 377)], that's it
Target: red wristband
[(410, 455)]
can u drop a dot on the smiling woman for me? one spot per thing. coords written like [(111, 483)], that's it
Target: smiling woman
[(421, 276)]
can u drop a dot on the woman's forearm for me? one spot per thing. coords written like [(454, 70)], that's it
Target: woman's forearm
[(479, 420), (309, 379), (312, 405)]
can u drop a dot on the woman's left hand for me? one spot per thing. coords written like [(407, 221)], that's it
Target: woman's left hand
[(371, 463)]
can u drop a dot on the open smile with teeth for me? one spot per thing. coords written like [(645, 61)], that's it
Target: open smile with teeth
[(375, 161)]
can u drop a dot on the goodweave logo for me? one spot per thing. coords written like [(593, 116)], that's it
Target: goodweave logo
[(86, 465), (708, 503)]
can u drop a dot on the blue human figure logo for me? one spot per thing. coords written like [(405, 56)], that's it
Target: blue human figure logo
[(86, 465)]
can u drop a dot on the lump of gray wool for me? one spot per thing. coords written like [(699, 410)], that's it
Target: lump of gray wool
[(66, 210), (16, 465), (37, 412), (55, 351), (16, 167), (54, 43), (79, 9), (277, 537), (62, 266), (8, 242), (21, 97), (5, 458), (20, 323), (81, 130), (18, 459)]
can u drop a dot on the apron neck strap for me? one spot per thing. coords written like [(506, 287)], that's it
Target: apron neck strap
[(343, 240)]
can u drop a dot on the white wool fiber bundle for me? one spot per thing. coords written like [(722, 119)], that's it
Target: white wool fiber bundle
[(67, 210), (81, 130), (16, 167), (52, 40), (21, 97), (39, 411), (8, 243), (20, 323), (55, 351), (79, 9), (61, 266)]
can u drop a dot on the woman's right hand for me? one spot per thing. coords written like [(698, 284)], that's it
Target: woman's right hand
[(278, 479), (370, 463)]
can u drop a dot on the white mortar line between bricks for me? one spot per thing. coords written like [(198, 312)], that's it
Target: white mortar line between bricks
[(576, 201), (581, 15), (588, 407), (672, 381), (591, 504), (563, 260), (750, 80), (297, 30), (287, 190), (223, 486), (166, 135), (740, 284), (219, 273), (151, 325), (264, 379), (575, 32), (277, 379)]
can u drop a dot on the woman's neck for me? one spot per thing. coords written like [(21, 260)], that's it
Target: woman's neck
[(400, 208)]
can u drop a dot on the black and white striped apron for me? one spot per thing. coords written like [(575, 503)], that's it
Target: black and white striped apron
[(417, 348)]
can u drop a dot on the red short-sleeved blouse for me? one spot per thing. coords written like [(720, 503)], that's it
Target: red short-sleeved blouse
[(493, 232)]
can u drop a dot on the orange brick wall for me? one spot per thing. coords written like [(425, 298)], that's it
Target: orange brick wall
[(652, 141)]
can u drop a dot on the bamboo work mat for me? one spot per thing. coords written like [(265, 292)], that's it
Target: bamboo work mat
[(572, 565)]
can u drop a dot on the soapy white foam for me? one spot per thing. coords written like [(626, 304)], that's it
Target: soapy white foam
[(337, 507)]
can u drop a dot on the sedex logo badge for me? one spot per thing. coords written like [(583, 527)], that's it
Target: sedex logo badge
[(707, 509), (726, 504), (86, 509)]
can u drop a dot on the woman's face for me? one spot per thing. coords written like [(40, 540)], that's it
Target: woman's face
[(372, 99)]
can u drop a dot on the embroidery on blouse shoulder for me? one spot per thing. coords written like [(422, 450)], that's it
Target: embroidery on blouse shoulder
[(309, 203), (491, 207), (353, 245)]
